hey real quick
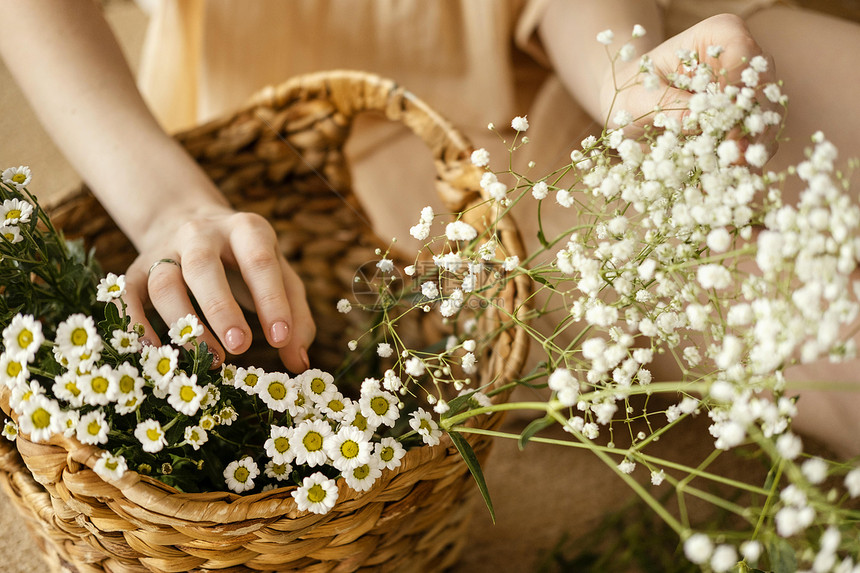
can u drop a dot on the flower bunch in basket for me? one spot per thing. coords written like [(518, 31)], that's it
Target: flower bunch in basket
[(672, 280), (73, 365)]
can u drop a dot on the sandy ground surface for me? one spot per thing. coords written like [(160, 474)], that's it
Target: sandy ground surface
[(541, 494)]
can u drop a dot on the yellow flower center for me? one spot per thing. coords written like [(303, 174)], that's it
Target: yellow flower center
[(360, 421), (316, 493), (185, 331), (425, 425), (13, 368), (99, 384), (349, 449), (113, 288), (126, 384), (125, 342), (387, 454), (25, 338), (279, 469), (251, 380), (241, 474), (361, 472), (379, 405), (187, 394), (207, 423), (131, 402), (19, 178), (300, 400), (112, 465), (336, 405), (13, 214), (163, 366), (317, 385), (41, 418), (282, 444), (9, 236), (277, 390), (194, 437), (79, 336), (94, 428), (313, 441), (153, 434)]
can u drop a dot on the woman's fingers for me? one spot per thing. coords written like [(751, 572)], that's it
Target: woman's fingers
[(295, 354), (135, 298)]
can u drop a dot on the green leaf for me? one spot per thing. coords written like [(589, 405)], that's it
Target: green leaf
[(458, 404), (533, 428), (782, 557), (474, 466)]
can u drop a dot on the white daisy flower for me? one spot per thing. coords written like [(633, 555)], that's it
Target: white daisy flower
[(277, 391), (185, 330), (129, 403), (309, 440), (248, 379), (353, 417), (23, 393), (423, 423), (69, 423), (380, 407), (125, 342), (207, 422), (10, 430), (100, 387), (159, 364), (348, 449), (240, 474), (93, 428), (111, 287), (278, 472), (213, 394), (40, 418), (12, 370), (317, 494), (15, 211), (336, 407), (317, 385), (150, 435), (279, 445), (228, 374), (129, 379), (12, 234), (196, 436), (77, 337), (362, 478), (228, 415), (184, 394), (23, 337), (389, 452), (110, 467), (18, 176)]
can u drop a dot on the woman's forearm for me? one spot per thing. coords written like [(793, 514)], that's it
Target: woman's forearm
[(68, 64)]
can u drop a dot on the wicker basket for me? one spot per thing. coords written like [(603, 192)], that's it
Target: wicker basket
[(414, 518)]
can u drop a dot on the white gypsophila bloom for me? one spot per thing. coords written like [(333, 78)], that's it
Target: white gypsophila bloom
[(792, 520), (729, 434), (698, 548), (384, 350), (714, 276), (317, 385), (279, 445), (427, 215), (564, 198), (348, 449), (627, 53), (815, 470), (719, 240), (638, 31), (195, 436), (789, 446), (277, 391), (17, 176), (480, 157), (487, 179), (756, 155), (40, 418), (248, 379), (309, 440), (497, 190), (423, 423), (714, 51), (429, 290), (511, 263), (441, 406), (362, 478), (469, 363), (540, 190), (23, 337), (110, 288), (388, 451), (184, 394), (100, 387), (316, 494), (622, 118), (379, 407), (15, 212), (11, 233), (110, 467), (751, 551), (420, 231), (605, 37), (185, 330), (279, 472), (239, 474), (565, 385), (520, 123), (125, 342), (627, 466), (150, 435), (385, 265), (344, 306), (657, 477), (159, 364), (724, 558), (730, 352), (391, 381), (93, 428), (852, 482)]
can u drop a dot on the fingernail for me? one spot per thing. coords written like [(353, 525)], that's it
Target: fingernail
[(234, 338), (279, 332), (305, 360), (216, 358), (146, 342)]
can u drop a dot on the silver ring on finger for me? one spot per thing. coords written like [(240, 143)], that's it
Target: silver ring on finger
[(159, 261)]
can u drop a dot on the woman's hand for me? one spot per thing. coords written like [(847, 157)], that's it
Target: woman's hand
[(219, 257)]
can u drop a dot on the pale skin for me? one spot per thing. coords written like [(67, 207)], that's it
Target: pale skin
[(68, 63)]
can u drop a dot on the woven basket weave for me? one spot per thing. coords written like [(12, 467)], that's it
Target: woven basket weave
[(414, 518)]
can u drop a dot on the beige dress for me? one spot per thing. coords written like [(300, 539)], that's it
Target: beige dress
[(476, 61)]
